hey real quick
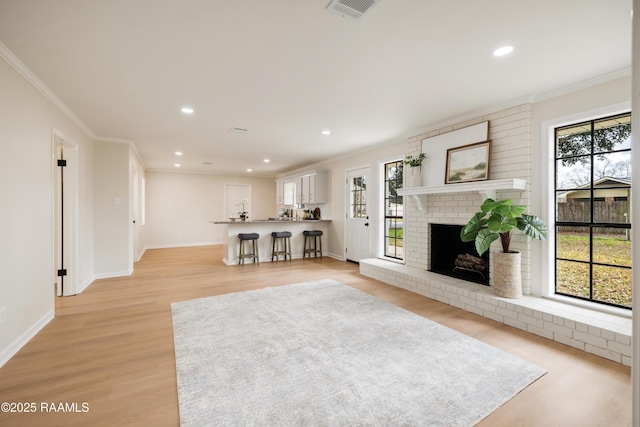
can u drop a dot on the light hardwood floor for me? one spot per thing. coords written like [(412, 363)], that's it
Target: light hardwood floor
[(112, 347)]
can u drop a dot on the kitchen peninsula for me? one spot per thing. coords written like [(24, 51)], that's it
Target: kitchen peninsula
[(264, 227)]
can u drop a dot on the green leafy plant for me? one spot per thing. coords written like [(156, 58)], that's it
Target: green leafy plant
[(415, 161), (496, 220)]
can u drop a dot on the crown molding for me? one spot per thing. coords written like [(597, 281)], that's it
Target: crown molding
[(22, 69), (585, 84), (528, 99)]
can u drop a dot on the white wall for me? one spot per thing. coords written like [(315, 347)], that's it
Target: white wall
[(516, 132), (180, 205), (595, 101), (27, 121), (337, 187), (111, 219)]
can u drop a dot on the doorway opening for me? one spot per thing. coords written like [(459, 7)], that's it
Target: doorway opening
[(65, 215)]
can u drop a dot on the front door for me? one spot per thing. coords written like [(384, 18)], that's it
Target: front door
[(358, 229)]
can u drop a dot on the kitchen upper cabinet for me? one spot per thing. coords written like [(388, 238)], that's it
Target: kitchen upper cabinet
[(299, 191), (314, 188), (279, 192), (289, 193), (305, 190), (310, 188)]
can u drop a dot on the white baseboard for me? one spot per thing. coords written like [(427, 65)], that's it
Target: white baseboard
[(181, 245), (84, 285), (18, 343), (140, 254), (113, 274), (338, 257)]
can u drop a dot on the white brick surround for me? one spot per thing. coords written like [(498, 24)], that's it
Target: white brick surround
[(602, 334), (510, 135), (605, 335)]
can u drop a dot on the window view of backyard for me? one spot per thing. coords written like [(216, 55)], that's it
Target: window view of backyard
[(593, 194), (394, 212)]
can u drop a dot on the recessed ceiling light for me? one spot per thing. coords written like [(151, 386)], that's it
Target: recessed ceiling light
[(502, 51), (249, 170), (178, 153), (176, 165), (266, 160), (326, 132), (187, 110)]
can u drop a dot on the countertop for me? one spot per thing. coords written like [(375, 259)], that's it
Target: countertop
[(270, 220)]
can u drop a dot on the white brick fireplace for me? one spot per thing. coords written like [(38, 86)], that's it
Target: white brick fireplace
[(510, 134)]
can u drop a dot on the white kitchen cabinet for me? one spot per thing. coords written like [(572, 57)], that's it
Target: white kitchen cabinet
[(279, 192), (299, 190), (314, 188), (304, 189), (289, 192), (310, 188)]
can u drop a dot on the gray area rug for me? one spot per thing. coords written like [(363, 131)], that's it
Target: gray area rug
[(324, 354)]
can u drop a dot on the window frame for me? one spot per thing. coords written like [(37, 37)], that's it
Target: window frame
[(396, 162), (593, 224)]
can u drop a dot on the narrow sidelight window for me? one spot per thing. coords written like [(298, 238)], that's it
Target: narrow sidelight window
[(393, 211)]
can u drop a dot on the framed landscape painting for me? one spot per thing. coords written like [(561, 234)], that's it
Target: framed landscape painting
[(468, 163)]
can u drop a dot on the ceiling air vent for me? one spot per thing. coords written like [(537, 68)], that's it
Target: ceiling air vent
[(354, 9)]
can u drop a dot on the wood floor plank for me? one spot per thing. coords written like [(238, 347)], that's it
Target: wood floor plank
[(112, 347)]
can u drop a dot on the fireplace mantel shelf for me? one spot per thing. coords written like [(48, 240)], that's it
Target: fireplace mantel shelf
[(487, 189)]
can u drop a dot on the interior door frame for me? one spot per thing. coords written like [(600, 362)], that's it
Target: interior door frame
[(70, 220), (347, 205)]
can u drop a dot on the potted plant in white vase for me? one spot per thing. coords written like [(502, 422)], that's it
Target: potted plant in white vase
[(243, 214), (415, 168), (496, 220)]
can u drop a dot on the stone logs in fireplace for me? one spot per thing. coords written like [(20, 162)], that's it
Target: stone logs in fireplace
[(452, 257)]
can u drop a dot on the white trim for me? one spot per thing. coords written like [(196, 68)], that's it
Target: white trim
[(585, 84), (589, 305), (72, 213), (336, 256), (380, 228), (181, 245), (22, 69), (547, 185), (84, 285), (13, 348), (635, 215), (347, 207), (114, 274), (528, 99)]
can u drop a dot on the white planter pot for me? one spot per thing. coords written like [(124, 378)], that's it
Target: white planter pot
[(415, 177), (507, 275)]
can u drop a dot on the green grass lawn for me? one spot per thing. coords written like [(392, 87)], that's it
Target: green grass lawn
[(610, 284), (398, 234)]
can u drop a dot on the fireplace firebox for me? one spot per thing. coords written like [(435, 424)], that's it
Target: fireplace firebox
[(453, 257)]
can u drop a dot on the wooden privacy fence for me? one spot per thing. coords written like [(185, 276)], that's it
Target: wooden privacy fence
[(615, 211)]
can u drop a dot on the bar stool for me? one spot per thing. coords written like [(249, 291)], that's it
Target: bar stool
[(245, 238), (312, 236), (279, 239)]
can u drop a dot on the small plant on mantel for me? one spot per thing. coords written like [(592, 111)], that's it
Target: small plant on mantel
[(415, 174), (415, 162), (496, 220)]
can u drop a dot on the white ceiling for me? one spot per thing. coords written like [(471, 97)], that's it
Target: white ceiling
[(288, 69)]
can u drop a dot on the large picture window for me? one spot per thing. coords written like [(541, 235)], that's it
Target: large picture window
[(393, 211), (592, 199)]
